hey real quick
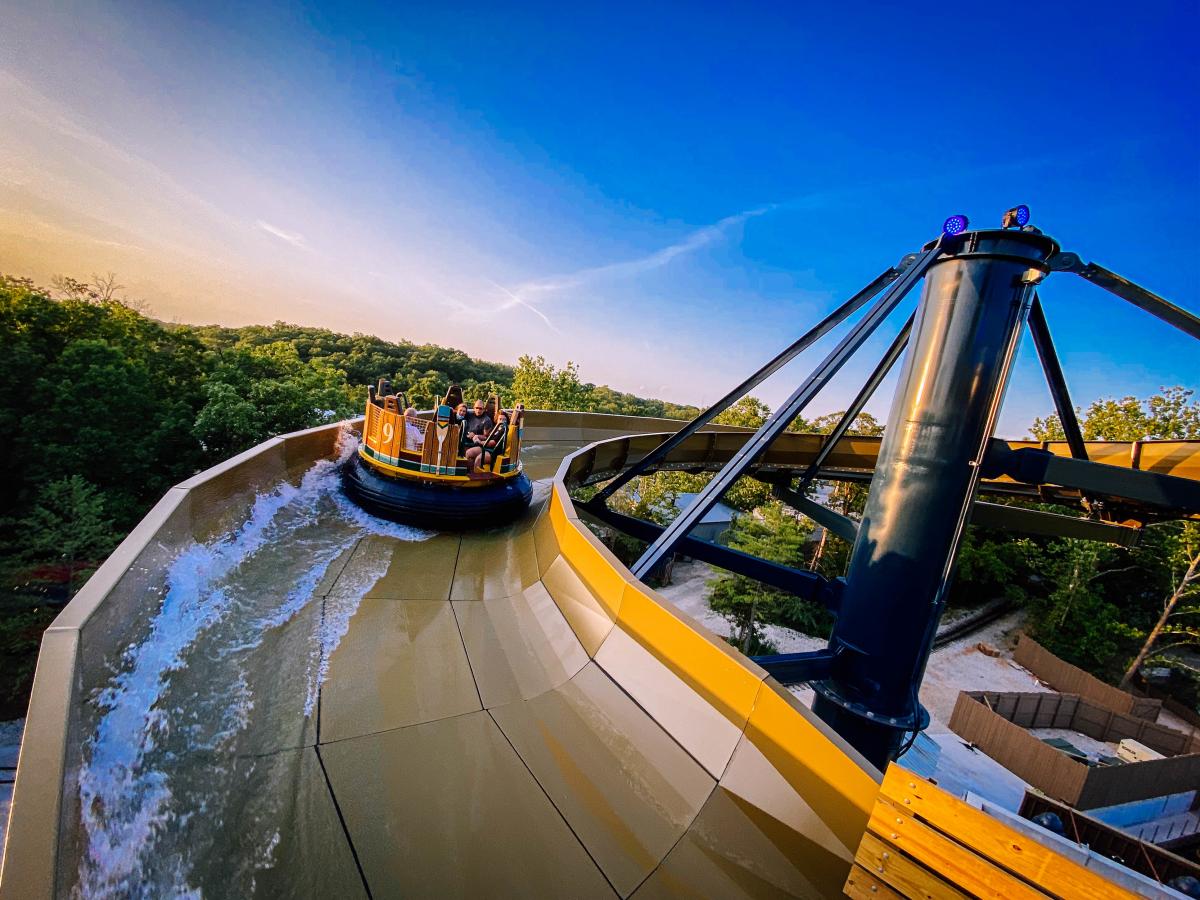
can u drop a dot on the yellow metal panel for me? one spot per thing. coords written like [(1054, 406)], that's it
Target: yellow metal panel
[(626, 789), (519, 646), (821, 767), (757, 782), (1179, 458), (447, 809), (598, 568), (686, 715), (588, 619), (398, 664), (707, 664), (544, 539)]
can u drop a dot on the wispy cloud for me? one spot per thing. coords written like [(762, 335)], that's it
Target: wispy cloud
[(293, 238), (525, 293), (696, 240)]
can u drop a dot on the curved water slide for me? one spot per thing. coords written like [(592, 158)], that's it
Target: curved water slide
[(265, 692)]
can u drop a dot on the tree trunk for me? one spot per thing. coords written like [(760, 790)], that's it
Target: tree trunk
[(749, 635), (1169, 608), (820, 549)]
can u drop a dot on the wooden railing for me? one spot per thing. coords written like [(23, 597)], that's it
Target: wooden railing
[(922, 842)]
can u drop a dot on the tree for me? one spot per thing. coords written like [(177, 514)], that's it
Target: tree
[(1182, 603), (1104, 606), (831, 554), (1169, 415), (539, 385), (749, 412), (68, 523), (772, 533)]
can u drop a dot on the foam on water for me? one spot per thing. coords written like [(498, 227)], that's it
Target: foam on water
[(219, 677)]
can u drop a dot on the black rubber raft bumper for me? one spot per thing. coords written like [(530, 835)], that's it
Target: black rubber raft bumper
[(437, 507)]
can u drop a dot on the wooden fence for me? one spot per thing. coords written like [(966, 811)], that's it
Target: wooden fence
[(996, 723), (1045, 710), (1069, 679)]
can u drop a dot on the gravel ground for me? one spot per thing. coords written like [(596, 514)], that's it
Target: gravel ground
[(688, 590)]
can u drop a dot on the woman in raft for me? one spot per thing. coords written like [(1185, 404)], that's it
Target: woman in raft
[(487, 448)]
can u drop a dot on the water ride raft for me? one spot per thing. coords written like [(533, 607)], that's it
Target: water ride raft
[(413, 468)]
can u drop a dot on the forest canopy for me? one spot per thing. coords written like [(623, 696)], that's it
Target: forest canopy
[(104, 408)]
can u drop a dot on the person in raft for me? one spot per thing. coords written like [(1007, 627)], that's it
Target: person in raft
[(414, 437), (481, 456), (477, 425)]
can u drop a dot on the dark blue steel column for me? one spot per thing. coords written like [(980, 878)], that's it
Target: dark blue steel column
[(969, 321)]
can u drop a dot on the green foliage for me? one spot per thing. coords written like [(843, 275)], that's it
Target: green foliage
[(539, 385), (749, 412), (1171, 415), (773, 533), (104, 408)]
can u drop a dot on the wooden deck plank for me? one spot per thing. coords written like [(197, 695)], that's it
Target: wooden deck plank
[(904, 875), (992, 840), (958, 865), (862, 885)]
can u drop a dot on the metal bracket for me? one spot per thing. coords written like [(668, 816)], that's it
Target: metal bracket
[(1177, 316), (798, 668)]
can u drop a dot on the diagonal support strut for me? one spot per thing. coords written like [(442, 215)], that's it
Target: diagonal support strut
[(778, 422), (856, 405), (801, 344), (1187, 322), (1054, 377)]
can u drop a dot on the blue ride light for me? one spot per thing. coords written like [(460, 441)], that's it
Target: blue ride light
[(1017, 217), (955, 225)]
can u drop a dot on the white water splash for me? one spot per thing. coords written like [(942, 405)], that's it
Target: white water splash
[(185, 689)]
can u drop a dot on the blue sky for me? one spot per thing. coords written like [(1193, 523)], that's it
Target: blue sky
[(665, 194)]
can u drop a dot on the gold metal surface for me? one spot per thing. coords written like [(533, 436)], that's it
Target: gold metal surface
[(623, 785), (495, 564), (519, 646), (507, 714), (418, 570), (447, 809), (400, 663)]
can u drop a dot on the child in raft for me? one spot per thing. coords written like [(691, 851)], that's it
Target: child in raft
[(481, 456)]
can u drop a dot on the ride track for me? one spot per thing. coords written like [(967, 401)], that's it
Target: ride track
[(538, 722), (514, 711)]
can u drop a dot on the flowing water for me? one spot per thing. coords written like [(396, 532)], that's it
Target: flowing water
[(194, 758)]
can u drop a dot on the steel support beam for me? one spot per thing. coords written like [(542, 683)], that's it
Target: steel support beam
[(1054, 378), (779, 420), (801, 582), (969, 320), (1038, 521), (843, 526), (1177, 316), (805, 341), (797, 668), (893, 353), (1031, 466)]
